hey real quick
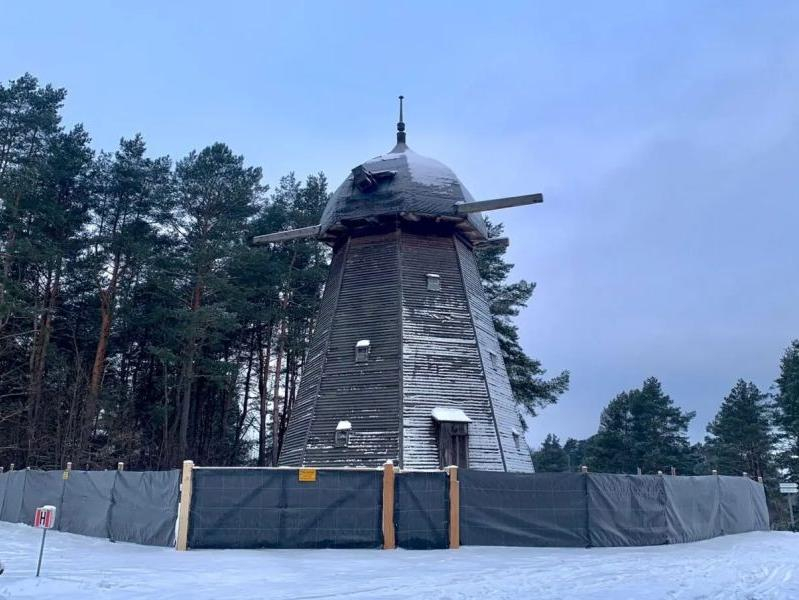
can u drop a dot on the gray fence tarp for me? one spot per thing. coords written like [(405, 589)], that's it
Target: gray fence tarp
[(144, 507), (86, 504), (271, 508), (743, 505), (42, 488), (3, 485), (597, 509), (12, 503), (127, 506), (516, 509), (693, 508), (626, 510), (421, 510)]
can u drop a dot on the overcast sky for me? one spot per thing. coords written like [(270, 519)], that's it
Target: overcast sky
[(664, 137)]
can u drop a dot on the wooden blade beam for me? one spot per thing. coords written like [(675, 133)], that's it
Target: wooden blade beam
[(283, 236), (484, 205), (501, 242)]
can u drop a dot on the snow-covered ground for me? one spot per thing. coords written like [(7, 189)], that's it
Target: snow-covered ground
[(753, 566)]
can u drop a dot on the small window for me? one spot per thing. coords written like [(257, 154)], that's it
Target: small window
[(343, 429), (362, 351), (433, 282), (494, 359), (517, 439)]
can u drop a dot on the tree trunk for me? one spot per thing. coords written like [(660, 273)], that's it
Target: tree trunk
[(245, 403), (39, 356), (263, 378), (107, 301), (276, 393), (188, 372)]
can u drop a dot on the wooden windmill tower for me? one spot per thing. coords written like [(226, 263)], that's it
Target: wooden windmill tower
[(404, 363)]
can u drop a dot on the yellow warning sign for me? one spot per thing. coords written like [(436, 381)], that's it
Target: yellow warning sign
[(65, 475), (307, 474)]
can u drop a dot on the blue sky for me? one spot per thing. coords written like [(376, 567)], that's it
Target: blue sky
[(664, 136)]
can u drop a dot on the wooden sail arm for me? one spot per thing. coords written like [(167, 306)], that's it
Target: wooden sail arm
[(484, 205), (283, 236), (500, 242)]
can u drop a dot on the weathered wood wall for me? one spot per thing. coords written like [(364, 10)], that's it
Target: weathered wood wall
[(440, 364), (514, 449), (366, 394), (428, 349)]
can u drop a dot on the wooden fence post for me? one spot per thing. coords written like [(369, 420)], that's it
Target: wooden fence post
[(120, 466), (584, 469), (389, 534), (185, 506), (454, 509)]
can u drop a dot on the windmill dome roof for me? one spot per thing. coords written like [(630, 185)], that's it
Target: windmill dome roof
[(401, 184)]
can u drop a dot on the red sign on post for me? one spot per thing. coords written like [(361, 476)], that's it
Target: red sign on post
[(45, 517)]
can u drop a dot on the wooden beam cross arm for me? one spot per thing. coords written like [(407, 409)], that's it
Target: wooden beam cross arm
[(484, 205), (500, 242), (283, 236)]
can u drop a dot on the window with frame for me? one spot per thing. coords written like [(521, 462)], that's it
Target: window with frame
[(342, 436), (362, 349)]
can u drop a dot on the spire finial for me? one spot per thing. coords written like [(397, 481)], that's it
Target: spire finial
[(401, 125)]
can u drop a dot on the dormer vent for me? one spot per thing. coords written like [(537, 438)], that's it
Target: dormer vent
[(362, 348), (343, 429), (433, 282)]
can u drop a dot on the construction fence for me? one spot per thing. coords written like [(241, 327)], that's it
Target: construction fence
[(125, 506), (236, 507), (329, 508)]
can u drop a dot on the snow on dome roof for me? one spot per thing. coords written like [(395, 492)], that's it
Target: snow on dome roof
[(449, 415), (407, 182)]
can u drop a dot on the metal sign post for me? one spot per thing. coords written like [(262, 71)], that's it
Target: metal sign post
[(44, 520), (790, 489)]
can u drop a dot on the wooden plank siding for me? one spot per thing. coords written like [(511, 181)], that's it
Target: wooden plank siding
[(440, 360), (427, 349), (302, 414), (366, 394), (499, 390)]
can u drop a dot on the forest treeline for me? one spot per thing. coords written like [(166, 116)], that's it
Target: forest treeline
[(137, 324), (754, 432)]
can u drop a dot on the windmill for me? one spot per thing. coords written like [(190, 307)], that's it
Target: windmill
[(404, 363)]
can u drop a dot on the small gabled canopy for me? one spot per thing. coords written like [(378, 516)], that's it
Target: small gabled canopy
[(449, 415), (343, 426)]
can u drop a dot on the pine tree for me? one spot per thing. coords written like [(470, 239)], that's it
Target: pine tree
[(787, 413), (641, 428), (531, 389), (740, 436), (216, 195), (132, 195), (551, 457), (575, 453)]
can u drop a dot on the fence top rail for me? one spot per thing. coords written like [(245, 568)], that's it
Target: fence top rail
[(363, 469)]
